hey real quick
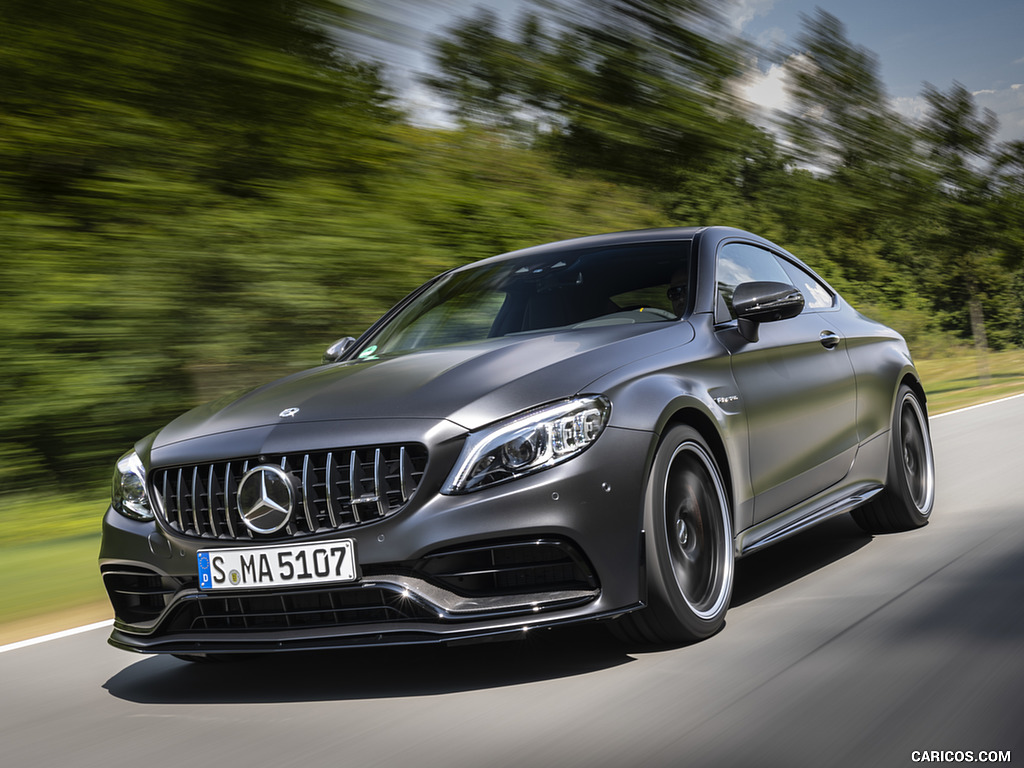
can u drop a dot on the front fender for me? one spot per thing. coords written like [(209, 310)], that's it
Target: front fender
[(699, 392)]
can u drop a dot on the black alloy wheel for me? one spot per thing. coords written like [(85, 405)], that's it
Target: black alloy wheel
[(688, 525)]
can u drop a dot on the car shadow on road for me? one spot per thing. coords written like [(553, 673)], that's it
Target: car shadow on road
[(381, 673), (764, 572), (370, 673)]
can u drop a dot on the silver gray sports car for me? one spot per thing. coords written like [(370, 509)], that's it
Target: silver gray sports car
[(587, 430)]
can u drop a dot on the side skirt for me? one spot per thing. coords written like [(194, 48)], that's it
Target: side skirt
[(804, 516)]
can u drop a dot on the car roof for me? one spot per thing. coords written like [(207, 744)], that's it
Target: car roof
[(659, 234)]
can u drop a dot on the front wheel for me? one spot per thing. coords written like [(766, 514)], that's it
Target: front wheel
[(688, 527), (909, 494)]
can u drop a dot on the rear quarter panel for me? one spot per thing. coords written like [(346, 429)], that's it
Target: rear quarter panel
[(880, 360)]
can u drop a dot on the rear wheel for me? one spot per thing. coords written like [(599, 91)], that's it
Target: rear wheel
[(909, 494), (689, 545)]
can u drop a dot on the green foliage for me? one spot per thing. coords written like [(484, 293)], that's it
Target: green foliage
[(842, 120), (630, 89), (52, 576), (32, 518), (198, 196)]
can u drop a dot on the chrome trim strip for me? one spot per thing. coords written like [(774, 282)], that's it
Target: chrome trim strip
[(229, 497), (355, 483), (443, 604), (449, 605), (405, 470), (243, 529), (380, 482), (211, 501), (308, 479), (331, 487), (180, 491), (196, 499)]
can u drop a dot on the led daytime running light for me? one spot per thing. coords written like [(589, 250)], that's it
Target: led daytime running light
[(528, 443), (128, 494)]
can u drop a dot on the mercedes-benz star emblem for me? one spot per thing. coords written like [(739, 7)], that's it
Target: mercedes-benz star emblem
[(287, 412), (266, 498)]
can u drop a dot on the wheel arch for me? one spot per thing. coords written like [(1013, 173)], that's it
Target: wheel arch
[(691, 416), (911, 379), (662, 620)]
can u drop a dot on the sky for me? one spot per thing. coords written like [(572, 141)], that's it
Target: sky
[(978, 43)]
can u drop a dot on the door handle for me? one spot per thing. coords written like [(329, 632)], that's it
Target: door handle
[(829, 339)]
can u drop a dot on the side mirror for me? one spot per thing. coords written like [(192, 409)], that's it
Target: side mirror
[(338, 349), (764, 302)]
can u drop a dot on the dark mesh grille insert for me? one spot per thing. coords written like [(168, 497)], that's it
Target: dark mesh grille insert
[(137, 594), (508, 568), (311, 609)]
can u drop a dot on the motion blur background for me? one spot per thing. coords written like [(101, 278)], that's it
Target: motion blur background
[(200, 195)]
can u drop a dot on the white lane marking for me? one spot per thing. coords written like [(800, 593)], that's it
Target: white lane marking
[(97, 625), (54, 636), (972, 407)]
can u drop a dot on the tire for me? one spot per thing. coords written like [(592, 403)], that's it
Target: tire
[(906, 503), (688, 525)]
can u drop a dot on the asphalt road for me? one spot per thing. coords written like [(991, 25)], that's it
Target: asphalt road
[(841, 649)]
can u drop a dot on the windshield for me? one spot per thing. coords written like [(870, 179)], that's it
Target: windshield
[(637, 283)]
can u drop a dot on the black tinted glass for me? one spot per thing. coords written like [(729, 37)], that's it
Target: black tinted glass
[(560, 289)]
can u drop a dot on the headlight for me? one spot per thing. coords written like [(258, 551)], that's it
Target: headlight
[(128, 492), (529, 442)]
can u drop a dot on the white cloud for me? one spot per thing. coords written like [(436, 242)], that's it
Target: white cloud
[(764, 95), (1008, 105), (771, 39), (424, 107), (911, 107), (766, 90), (745, 11)]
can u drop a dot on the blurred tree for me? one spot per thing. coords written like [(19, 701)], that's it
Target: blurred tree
[(842, 119), (189, 189), (842, 124), (958, 136), (129, 134), (477, 71), (1008, 168), (633, 89), (958, 139), (649, 103)]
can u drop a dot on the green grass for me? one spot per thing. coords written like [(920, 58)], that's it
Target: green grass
[(957, 382), (48, 544), (49, 577), (27, 518)]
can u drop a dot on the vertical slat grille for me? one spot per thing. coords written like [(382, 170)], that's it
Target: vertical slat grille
[(336, 489)]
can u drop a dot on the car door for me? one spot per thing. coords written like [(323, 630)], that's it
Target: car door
[(796, 385)]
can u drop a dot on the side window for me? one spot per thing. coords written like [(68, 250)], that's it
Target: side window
[(816, 295), (741, 263)]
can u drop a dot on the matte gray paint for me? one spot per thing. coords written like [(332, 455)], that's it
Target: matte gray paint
[(803, 429)]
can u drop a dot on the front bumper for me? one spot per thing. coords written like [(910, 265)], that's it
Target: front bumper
[(561, 546)]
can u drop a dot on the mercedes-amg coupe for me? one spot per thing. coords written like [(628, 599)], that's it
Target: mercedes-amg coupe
[(593, 429)]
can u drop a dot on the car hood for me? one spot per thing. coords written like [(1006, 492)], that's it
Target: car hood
[(468, 385)]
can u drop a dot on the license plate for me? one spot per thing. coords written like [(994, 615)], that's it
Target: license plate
[(283, 566)]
